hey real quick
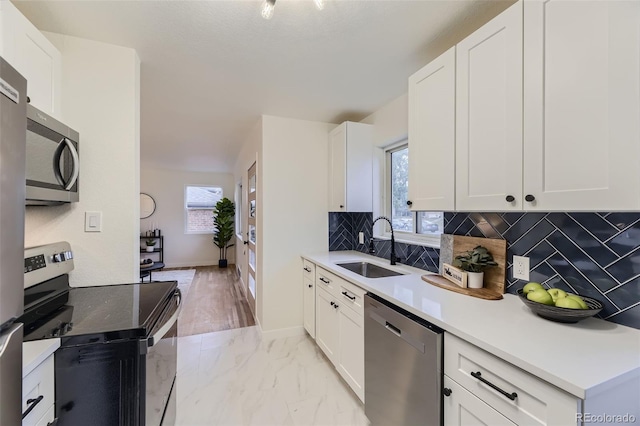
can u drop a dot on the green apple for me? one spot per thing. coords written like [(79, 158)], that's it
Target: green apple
[(531, 286), (540, 295), (556, 294), (578, 299), (568, 302)]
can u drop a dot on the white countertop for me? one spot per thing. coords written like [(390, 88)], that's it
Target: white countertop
[(33, 353), (584, 359)]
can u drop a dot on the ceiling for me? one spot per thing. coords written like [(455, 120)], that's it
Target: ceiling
[(209, 69)]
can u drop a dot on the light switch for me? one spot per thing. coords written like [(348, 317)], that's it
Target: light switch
[(92, 221)]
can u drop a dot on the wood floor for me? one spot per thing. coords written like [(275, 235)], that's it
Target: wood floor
[(214, 302)]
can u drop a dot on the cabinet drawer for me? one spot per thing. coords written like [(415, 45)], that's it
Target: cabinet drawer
[(38, 383), (327, 281), (308, 270), (352, 296), (535, 402)]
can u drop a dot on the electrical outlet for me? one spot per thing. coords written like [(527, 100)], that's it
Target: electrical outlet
[(520, 267), (361, 237)]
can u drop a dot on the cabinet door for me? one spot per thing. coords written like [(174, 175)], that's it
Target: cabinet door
[(309, 306), (489, 115), (327, 336), (432, 135), (35, 57), (351, 349), (337, 169), (463, 408), (581, 128)]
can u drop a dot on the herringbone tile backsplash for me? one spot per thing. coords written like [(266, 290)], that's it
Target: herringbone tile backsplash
[(594, 254)]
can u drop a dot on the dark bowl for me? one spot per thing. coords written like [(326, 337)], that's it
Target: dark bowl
[(565, 315)]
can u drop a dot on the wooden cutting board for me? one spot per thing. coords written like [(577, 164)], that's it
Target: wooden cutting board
[(494, 278)]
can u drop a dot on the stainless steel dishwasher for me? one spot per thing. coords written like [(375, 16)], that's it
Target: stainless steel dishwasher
[(403, 366)]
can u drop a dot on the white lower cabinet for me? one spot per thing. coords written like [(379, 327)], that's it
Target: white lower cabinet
[(340, 327), (309, 297), (513, 393), (327, 322), (351, 349), (38, 394), (461, 407)]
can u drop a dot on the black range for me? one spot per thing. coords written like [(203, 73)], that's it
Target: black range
[(118, 355)]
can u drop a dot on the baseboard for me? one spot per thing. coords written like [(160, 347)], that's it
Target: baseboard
[(194, 265), (282, 332)]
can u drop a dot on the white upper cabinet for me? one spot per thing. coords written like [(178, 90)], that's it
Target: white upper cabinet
[(351, 168), (489, 115), (432, 135), (582, 105), (34, 56)]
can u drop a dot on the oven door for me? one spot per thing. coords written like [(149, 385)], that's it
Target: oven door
[(161, 365)]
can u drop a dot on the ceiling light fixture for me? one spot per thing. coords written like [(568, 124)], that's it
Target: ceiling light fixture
[(267, 8), (269, 5)]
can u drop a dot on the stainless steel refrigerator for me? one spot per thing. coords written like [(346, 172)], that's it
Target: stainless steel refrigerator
[(13, 130)]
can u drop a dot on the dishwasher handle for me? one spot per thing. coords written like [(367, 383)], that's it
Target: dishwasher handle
[(392, 328), (407, 337)]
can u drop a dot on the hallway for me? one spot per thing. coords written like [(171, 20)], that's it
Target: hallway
[(214, 302)]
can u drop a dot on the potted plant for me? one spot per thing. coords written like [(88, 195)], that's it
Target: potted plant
[(474, 262), (223, 215), (150, 244)]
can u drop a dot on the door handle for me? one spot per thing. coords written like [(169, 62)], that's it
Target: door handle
[(307, 269), (66, 143), (31, 405), (392, 328)]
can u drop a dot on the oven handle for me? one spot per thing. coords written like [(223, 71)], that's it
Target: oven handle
[(158, 335)]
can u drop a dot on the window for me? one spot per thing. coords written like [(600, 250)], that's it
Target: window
[(413, 227), (199, 202)]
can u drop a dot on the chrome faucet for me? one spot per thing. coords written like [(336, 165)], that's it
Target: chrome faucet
[(392, 258)]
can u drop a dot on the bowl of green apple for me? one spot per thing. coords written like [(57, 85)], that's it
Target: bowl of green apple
[(557, 305)]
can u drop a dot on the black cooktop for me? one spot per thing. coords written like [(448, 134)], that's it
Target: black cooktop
[(98, 313)]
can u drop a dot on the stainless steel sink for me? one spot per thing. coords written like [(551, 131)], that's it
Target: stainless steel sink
[(369, 270)]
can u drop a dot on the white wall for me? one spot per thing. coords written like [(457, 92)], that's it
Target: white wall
[(390, 125), (101, 100), (292, 215), (295, 218), (250, 152), (166, 186)]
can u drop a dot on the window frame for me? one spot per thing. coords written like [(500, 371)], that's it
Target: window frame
[(426, 240), (186, 209)]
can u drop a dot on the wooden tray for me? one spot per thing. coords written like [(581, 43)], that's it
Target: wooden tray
[(494, 278), (442, 282)]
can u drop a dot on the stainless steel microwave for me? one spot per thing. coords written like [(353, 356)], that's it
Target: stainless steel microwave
[(53, 160)]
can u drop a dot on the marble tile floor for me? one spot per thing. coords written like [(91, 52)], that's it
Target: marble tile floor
[(235, 377)]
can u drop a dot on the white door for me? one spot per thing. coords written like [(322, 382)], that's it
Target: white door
[(432, 134), (582, 105), (252, 256), (351, 349), (489, 115), (337, 169), (327, 336), (462, 408)]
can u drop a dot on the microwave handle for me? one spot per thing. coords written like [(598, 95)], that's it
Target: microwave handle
[(56, 163)]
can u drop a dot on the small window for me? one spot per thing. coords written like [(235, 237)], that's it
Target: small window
[(199, 202), (410, 226)]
